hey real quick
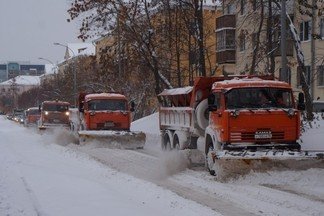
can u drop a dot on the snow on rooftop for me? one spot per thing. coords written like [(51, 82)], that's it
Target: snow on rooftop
[(50, 69), (177, 91), (254, 80), (23, 80), (105, 95), (81, 49)]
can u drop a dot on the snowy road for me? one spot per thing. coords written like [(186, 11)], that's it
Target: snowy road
[(272, 193), (39, 177)]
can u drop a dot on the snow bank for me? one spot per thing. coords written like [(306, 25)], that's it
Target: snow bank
[(148, 124)]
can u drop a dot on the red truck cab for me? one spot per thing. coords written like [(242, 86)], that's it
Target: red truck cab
[(32, 116), (252, 112), (54, 114), (104, 111)]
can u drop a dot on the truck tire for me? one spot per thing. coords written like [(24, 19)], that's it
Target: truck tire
[(209, 161), (202, 114), (166, 141), (180, 140), (176, 143)]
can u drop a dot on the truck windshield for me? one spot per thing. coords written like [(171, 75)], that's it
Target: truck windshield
[(55, 107), (33, 112), (112, 105), (258, 98)]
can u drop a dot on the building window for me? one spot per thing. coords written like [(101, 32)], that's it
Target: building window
[(320, 75), (230, 9), (305, 31), (322, 28), (282, 78), (308, 75), (242, 40), (243, 5), (225, 39)]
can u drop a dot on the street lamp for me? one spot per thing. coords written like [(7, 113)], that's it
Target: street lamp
[(74, 72), (45, 59)]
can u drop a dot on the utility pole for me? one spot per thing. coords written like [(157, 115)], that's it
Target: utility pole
[(283, 47), (313, 54), (119, 44)]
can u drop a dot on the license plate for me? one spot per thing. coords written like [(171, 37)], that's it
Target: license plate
[(109, 124), (263, 135), (56, 120)]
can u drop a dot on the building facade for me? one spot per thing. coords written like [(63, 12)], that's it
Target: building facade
[(10, 69), (11, 89), (241, 27)]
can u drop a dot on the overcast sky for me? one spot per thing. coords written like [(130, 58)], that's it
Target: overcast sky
[(28, 29)]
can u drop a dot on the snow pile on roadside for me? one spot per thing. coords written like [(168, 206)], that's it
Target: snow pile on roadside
[(148, 124), (312, 138)]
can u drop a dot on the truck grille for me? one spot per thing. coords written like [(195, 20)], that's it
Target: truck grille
[(101, 126), (249, 136)]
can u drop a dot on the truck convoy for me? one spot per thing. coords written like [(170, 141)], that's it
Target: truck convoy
[(244, 122), (54, 114), (106, 117)]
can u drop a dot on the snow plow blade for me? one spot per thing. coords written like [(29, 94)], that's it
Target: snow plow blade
[(113, 139), (227, 164), (54, 126)]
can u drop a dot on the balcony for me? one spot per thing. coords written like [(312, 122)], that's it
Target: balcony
[(225, 46), (225, 21), (225, 57)]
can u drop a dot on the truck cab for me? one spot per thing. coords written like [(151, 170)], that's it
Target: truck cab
[(32, 116), (54, 114), (252, 113), (104, 111)]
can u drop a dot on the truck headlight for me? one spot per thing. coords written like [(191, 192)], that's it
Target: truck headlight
[(235, 113), (67, 113), (46, 113)]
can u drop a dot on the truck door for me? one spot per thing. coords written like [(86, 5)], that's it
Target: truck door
[(216, 111)]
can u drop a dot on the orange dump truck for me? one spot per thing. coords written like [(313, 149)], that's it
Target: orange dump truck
[(239, 118), (32, 115), (106, 117), (54, 114)]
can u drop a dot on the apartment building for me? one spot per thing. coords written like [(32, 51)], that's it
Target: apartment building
[(241, 27)]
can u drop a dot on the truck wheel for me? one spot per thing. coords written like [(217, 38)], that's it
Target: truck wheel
[(210, 161), (176, 143), (166, 142), (202, 114)]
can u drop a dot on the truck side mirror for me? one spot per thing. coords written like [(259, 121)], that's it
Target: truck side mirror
[(301, 101), (81, 107), (39, 108), (132, 106), (211, 103)]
